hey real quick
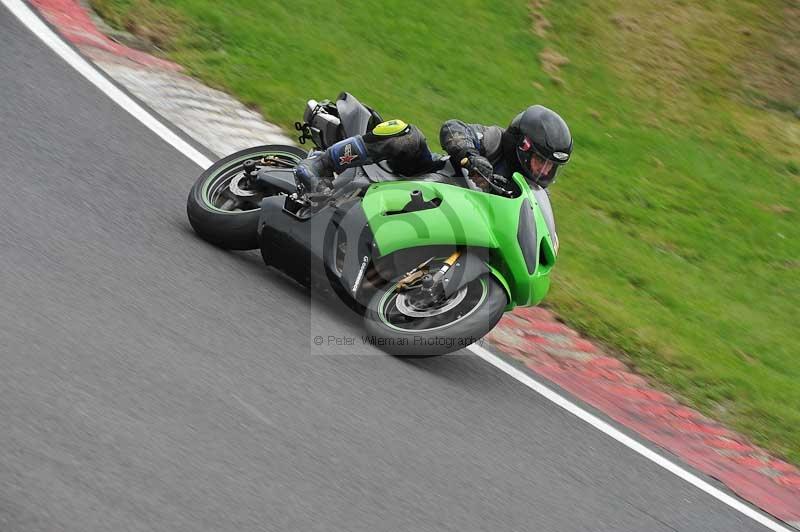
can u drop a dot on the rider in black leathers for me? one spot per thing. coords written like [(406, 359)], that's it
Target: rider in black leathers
[(536, 144)]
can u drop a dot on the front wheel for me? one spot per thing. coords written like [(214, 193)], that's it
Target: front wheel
[(401, 324), (222, 208)]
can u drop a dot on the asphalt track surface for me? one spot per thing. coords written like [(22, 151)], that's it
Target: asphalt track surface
[(149, 381)]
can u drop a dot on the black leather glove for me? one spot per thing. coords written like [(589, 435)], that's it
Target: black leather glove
[(480, 165), (479, 169)]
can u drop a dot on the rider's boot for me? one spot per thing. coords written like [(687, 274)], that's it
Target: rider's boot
[(313, 171), (316, 171)]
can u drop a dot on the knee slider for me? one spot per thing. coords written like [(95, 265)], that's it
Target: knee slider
[(390, 128)]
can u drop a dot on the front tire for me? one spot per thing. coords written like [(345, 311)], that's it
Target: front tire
[(399, 328), (226, 218)]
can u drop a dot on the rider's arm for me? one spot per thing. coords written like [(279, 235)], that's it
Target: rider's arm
[(461, 140), (479, 144)]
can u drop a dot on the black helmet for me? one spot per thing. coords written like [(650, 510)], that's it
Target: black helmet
[(542, 142)]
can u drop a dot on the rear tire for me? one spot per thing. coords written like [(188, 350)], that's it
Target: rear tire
[(236, 227), (465, 322)]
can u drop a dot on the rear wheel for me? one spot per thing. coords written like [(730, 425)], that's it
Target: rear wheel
[(403, 323), (222, 208)]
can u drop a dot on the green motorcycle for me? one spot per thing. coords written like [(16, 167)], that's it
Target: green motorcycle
[(430, 263)]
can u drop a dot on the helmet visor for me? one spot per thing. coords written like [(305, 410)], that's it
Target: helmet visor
[(543, 171), (536, 166)]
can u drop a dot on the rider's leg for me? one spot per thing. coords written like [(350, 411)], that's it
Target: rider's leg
[(402, 145), (321, 165)]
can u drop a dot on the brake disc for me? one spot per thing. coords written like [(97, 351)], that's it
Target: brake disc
[(405, 304)]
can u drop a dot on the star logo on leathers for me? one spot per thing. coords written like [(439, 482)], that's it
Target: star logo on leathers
[(348, 156)]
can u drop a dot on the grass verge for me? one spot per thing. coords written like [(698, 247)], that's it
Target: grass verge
[(678, 216)]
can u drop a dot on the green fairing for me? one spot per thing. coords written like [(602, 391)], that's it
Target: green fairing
[(468, 218)]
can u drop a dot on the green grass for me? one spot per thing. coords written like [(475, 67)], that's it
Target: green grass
[(678, 215)]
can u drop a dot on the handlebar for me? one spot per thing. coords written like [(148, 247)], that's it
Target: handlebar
[(490, 180)]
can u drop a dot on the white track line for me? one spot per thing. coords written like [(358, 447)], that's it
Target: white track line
[(87, 70), (624, 439), (76, 61)]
